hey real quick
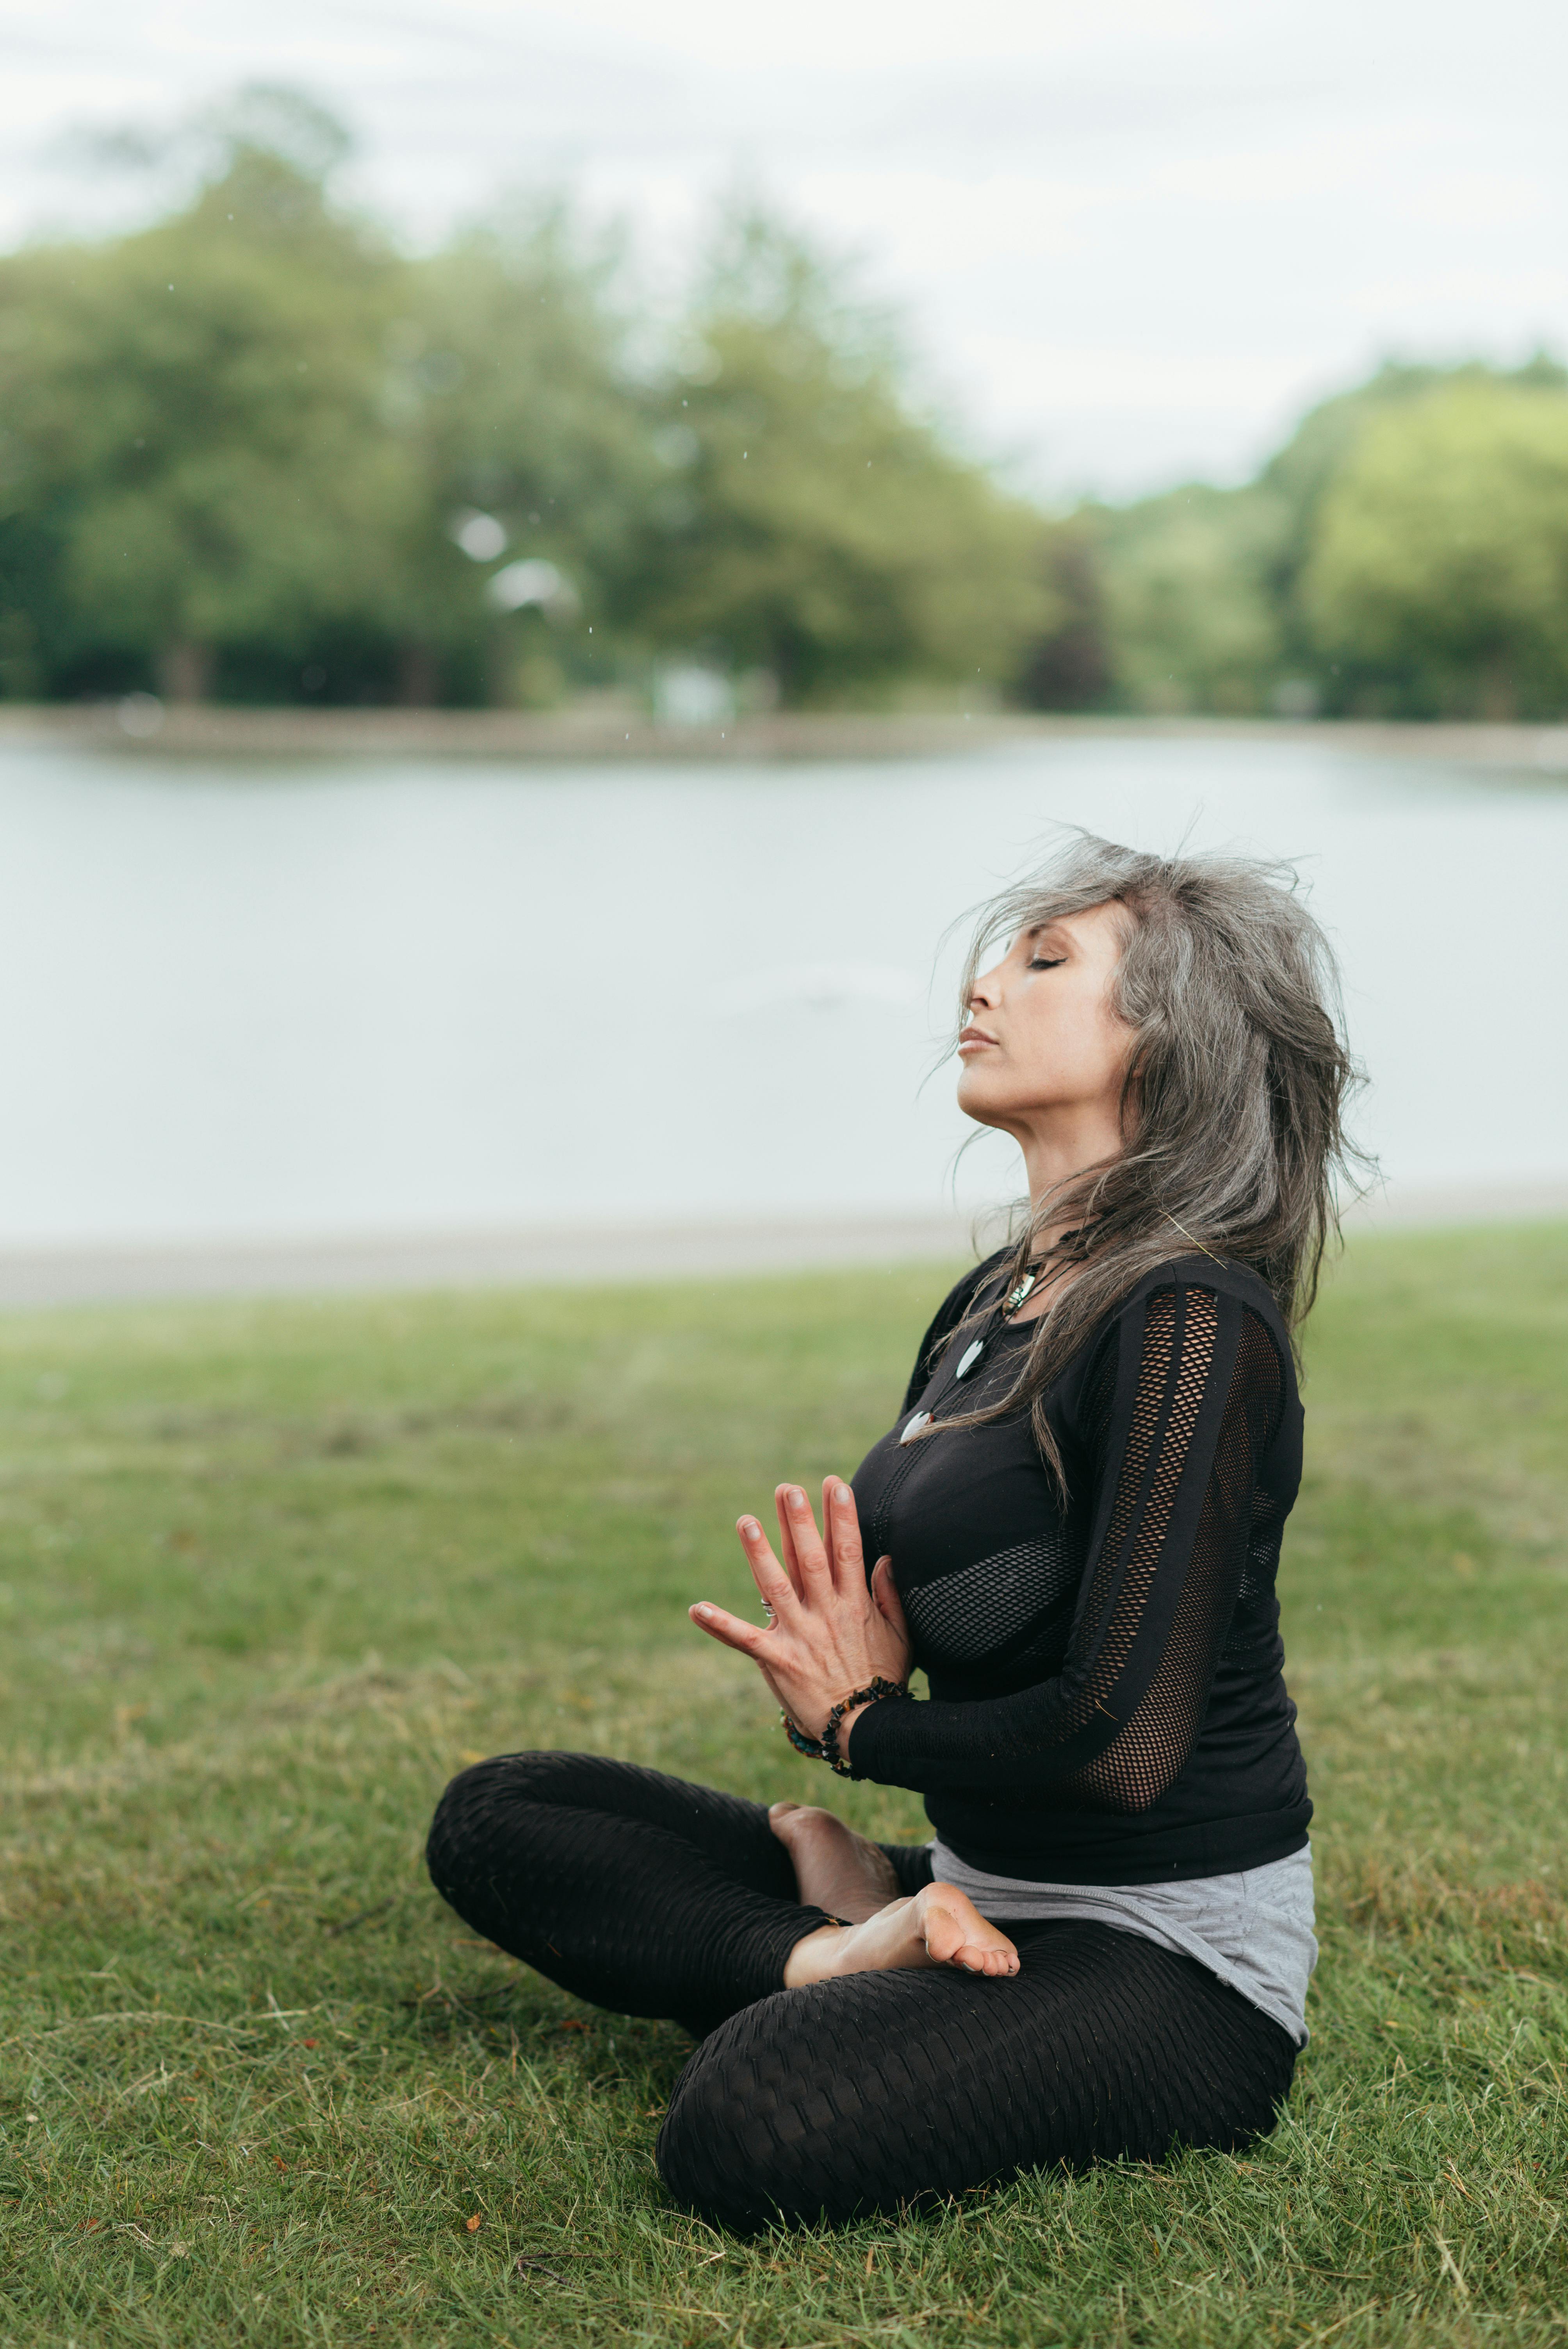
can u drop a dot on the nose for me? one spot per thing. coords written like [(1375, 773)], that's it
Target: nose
[(986, 993)]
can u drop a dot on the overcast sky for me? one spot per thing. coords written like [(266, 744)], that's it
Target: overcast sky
[(1134, 238)]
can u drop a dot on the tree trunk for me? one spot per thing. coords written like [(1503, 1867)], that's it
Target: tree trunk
[(1499, 694), (185, 670), (418, 678)]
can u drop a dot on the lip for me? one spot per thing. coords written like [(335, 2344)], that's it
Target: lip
[(975, 1039)]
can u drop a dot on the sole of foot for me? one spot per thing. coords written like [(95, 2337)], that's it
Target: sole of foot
[(939, 1927), (835, 1869)]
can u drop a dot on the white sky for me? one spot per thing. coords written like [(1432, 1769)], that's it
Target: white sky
[(1134, 237)]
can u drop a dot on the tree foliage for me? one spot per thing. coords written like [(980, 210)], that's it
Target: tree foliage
[(256, 449), (1404, 554), (812, 527), (193, 457), (1440, 561), (510, 382), (1190, 622)]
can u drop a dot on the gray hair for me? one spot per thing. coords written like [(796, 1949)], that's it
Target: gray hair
[(1232, 1104)]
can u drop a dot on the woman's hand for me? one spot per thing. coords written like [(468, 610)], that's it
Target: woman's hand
[(830, 1632)]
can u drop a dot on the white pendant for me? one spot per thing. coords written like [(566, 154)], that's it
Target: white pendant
[(913, 1426), (970, 1358)]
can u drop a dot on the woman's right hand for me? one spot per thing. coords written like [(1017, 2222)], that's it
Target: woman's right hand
[(832, 1632)]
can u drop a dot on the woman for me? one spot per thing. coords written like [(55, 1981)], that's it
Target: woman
[(1104, 1950)]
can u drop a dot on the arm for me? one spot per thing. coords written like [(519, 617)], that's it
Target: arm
[(1182, 1398)]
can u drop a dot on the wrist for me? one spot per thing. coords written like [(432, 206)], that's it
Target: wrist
[(847, 1722), (840, 1720)]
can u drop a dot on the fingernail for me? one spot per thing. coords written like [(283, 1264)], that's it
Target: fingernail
[(747, 1526), (703, 1610), (845, 1494)]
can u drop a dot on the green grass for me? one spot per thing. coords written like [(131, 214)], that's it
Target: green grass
[(273, 1572)]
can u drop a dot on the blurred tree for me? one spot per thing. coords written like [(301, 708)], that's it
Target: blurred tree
[(1191, 617), (193, 461), (1437, 576), (810, 525), (1215, 600), (511, 386), (255, 450), (1069, 667)]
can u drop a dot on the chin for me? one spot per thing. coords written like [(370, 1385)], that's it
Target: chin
[(977, 1100)]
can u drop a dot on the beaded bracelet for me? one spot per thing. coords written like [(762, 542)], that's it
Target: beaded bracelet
[(826, 1747)]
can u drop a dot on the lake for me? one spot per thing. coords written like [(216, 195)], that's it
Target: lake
[(258, 999)]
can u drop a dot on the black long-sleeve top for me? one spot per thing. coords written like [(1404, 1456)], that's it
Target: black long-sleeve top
[(1107, 1701)]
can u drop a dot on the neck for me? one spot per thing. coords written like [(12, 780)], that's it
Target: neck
[(1055, 1154)]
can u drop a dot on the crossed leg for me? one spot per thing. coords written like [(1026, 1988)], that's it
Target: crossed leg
[(886, 2077)]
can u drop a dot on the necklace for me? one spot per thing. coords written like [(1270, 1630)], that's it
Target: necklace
[(1029, 1280)]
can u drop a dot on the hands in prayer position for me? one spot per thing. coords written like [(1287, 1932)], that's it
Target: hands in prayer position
[(830, 1632)]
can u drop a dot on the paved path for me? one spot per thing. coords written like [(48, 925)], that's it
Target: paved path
[(584, 1253)]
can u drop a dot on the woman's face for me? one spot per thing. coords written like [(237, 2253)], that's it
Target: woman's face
[(1042, 1036)]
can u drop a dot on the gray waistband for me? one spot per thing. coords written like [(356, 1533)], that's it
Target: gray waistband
[(1252, 1928)]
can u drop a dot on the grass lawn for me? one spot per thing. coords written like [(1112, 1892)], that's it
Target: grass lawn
[(272, 1572)]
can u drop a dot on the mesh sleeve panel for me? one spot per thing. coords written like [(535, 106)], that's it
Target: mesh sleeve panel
[(1177, 1413), (1149, 1752)]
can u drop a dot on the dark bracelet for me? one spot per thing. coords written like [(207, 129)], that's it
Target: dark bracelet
[(810, 1747), (826, 1747), (877, 1689)]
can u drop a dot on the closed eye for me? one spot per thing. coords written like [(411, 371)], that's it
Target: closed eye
[(1047, 962)]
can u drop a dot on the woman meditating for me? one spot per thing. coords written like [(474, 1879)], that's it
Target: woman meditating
[(1075, 1524)]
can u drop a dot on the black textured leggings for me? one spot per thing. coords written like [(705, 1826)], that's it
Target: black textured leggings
[(872, 2093)]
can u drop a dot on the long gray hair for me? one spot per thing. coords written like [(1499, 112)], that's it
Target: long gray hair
[(1233, 1099)]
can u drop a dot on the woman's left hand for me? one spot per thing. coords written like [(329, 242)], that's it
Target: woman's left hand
[(831, 1632)]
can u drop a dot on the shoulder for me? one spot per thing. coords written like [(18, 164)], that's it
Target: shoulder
[(1227, 1319), (1189, 1325), (1189, 1278), (1221, 1275)]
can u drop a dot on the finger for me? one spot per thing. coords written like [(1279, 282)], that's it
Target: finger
[(787, 1544), (719, 1624), (800, 1531), (884, 1590), (841, 1521), (777, 1590)]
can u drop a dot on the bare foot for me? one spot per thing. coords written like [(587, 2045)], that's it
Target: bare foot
[(940, 1927), (835, 1869)]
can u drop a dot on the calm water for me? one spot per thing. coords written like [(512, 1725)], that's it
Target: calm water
[(267, 1000)]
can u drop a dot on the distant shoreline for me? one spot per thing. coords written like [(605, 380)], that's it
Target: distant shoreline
[(530, 1255), (597, 732)]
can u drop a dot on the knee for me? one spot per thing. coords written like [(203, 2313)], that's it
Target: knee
[(474, 1807), (752, 2136), (716, 2152)]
